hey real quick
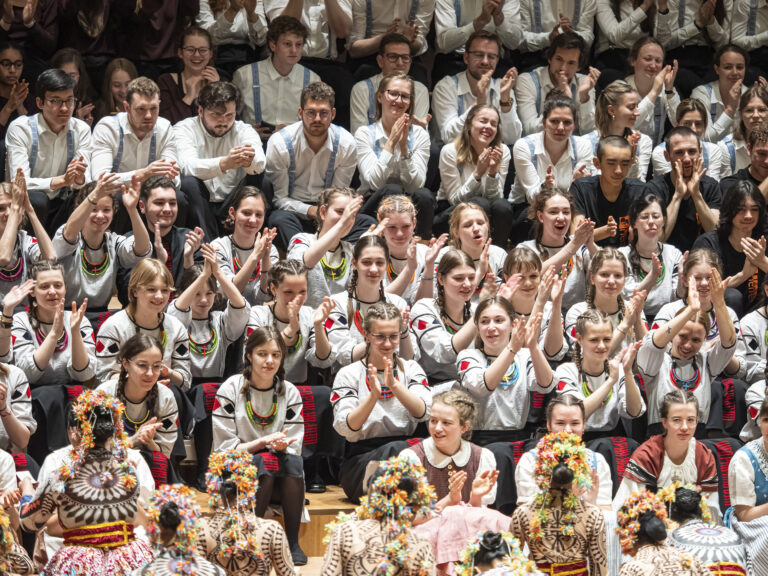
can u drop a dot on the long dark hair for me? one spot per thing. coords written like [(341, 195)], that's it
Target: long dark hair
[(640, 204), (35, 269), (539, 204), (259, 337), (452, 259), (733, 202), (132, 347), (370, 241), (505, 304)]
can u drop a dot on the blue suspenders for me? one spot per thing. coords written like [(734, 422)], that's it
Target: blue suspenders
[(712, 103), (257, 90), (36, 144), (731, 152), (752, 18), (371, 101), (457, 9), (121, 134), (377, 149), (658, 122), (333, 133), (594, 137), (535, 160), (369, 15)]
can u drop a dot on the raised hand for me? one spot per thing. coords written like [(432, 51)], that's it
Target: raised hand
[(77, 316), (58, 321), (294, 306), (323, 311), (549, 179), (483, 85), (588, 83), (532, 331), (717, 286), (16, 296), (347, 220), (754, 250), (583, 232), (484, 483), (456, 483), (130, 196), (510, 287), (28, 13), (107, 185), (517, 335), (508, 81), (373, 382), (669, 76), (210, 261), (435, 245), (558, 285), (193, 240), (160, 252), (694, 300), (411, 31), (581, 172)]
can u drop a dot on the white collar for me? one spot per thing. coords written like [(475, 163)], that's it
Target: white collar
[(439, 460)]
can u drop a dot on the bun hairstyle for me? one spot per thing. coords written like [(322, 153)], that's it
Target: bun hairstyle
[(561, 475), (652, 528), (228, 490), (491, 547), (686, 506), (465, 407), (104, 426), (169, 516)]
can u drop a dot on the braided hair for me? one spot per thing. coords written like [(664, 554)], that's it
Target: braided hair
[(382, 311), (450, 260), (604, 255), (35, 270), (132, 347), (591, 317), (279, 271), (369, 241), (640, 204), (464, 405)]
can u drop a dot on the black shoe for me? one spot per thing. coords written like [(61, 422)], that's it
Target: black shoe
[(299, 558), (316, 487)]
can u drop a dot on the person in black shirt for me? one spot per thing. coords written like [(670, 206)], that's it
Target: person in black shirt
[(692, 197), (757, 171), (605, 199), (740, 244)]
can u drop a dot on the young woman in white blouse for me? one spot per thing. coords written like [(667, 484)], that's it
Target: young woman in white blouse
[(616, 114), (554, 156), (247, 254), (473, 168), (653, 265), (236, 28), (753, 111), (392, 153), (551, 213), (410, 270), (378, 400)]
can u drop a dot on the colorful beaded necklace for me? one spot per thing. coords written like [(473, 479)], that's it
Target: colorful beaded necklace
[(386, 391), (204, 348), (236, 262), (14, 272), (391, 274), (91, 268), (587, 391), (449, 326), (690, 384), (256, 418), (61, 343), (334, 272), (643, 272)]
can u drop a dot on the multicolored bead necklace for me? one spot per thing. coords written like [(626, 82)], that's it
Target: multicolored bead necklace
[(690, 384), (392, 274), (94, 269), (334, 272), (256, 418), (204, 348), (14, 272), (236, 262), (587, 391), (61, 343)]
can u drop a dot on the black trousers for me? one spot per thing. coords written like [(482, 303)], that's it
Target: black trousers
[(423, 199), (53, 212)]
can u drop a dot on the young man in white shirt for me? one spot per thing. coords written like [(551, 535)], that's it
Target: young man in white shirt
[(565, 56), (453, 96), (394, 58), (52, 148), (220, 154), (305, 158), (326, 21), (456, 21), (136, 143), (270, 88)]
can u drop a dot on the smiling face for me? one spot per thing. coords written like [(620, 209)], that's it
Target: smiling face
[(747, 217), (395, 99), (249, 216), (101, 216), (473, 229), (680, 423), (732, 68), (459, 283), (558, 126), (370, 266), (384, 337), (118, 86), (396, 59), (195, 53), (650, 222), (49, 289), (152, 297), (265, 361), (626, 111), (290, 288), (203, 301), (609, 279), (701, 275), (446, 428), (687, 343), (596, 341), (754, 114), (650, 60), (530, 277), (143, 370), (399, 230), (494, 327), (160, 208), (556, 216), (485, 125), (481, 57)]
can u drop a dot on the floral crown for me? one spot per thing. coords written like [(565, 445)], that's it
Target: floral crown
[(628, 516), (515, 562), (186, 534), (553, 449), (84, 412), (240, 534), (669, 495)]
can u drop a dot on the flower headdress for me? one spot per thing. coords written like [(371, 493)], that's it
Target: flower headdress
[(669, 495), (6, 541), (235, 466), (515, 563), (552, 449), (629, 514), (186, 534), (85, 416)]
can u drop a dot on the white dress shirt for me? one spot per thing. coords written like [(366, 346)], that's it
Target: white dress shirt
[(735, 155), (377, 166), (373, 17), (458, 184), (677, 27), (123, 153), (452, 98), (531, 90), (239, 31), (749, 24), (539, 17), (321, 42), (651, 119), (278, 97), (454, 24), (202, 153), (363, 101), (619, 33), (714, 162), (532, 161), (311, 173), (719, 124), (53, 151)]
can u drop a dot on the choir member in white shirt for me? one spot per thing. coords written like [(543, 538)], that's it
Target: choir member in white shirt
[(564, 58), (721, 97), (749, 30), (543, 21), (453, 96), (620, 24), (372, 20), (456, 21), (237, 30), (137, 143), (52, 148), (326, 21), (553, 157), (378, 400), (689, 32), (219, 154), (649, 79), (394, 57), (473, 168), (392, 153), (270, 88), (306, 158), (753, 110), (691, 113)]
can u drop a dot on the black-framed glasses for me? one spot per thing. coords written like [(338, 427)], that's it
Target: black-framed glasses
[(392, 57), (394, 96), (58, 102), (191, 51), (8, 64)]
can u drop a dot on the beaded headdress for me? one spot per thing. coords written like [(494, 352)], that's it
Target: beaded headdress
[(628, 516), (185, 541), (553, 449), (515, 563)]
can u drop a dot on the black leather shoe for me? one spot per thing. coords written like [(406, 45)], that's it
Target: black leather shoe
[(298, 556), (316, 487)]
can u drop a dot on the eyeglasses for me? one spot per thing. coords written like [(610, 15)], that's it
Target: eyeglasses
[(480, 55), (394, 96), (392, 58), (381, 338), (12, 63), (755, 111), (191, 51), (58, 102), (147, 368), (312, 114)]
